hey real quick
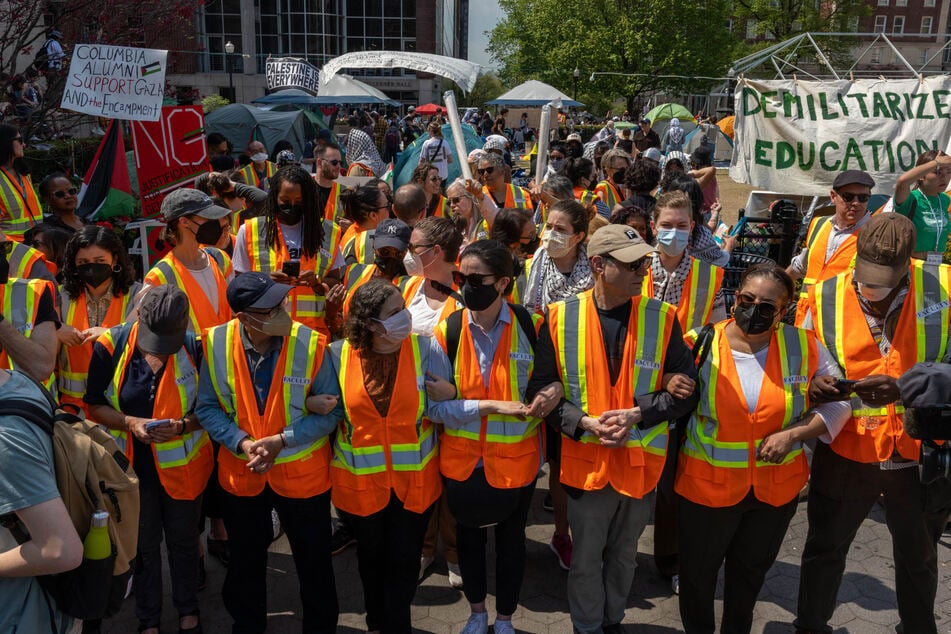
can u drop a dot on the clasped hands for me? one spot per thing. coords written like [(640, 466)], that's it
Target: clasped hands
[(261, 453), (612, 427)]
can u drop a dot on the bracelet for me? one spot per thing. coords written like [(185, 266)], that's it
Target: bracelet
[(182, 431)]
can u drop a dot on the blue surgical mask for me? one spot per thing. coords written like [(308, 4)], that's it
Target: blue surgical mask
[(672, 241)]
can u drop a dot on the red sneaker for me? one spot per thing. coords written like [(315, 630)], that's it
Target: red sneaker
[(561, 546)]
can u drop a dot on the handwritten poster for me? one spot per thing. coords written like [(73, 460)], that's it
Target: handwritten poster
[(119, 82)]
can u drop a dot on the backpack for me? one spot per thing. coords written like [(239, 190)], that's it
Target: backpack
[(392, 139), (91, 474), (42, 58)]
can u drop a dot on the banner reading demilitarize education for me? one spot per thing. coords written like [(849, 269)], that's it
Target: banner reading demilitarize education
[(119, 82), (290, 72), (795, 136)]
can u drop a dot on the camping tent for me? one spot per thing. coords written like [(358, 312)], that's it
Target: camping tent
[(667, 111), (294, 96), (533, 93), (722, 144), (238, 121), (409, 158), (340, 89), (726, 124)]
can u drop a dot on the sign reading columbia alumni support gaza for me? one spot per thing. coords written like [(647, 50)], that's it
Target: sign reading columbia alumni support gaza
[(119, 82), (795, 136), (290, 72)]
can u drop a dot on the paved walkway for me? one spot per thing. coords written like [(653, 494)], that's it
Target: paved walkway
[(867, 595)]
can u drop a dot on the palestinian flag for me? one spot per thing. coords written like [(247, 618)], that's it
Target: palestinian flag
[(106, 191), (388, 175)]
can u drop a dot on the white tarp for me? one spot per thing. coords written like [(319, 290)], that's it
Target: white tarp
[(291, 72), (460, 71), (118, 82), (796, 136), (534, 93)]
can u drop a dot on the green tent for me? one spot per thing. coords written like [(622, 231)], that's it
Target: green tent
[(667, 111)]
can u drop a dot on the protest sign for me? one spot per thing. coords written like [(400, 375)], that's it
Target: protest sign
[(169, 153), (796, 136), (461, 71), (119, 82), (290, 72)]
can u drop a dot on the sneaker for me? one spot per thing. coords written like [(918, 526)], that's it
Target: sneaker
[(503, 627), (341, 540), (276, 529), (675, 584), (455, 575), (561, 546), (424, 563), (478, 623), (547, 503)]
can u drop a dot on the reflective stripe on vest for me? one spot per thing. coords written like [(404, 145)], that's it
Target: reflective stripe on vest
[(201, 313), (251, 176), (359, 249), (333, 202), (19, 208), (20, 304), (357, 275), (697, 294), (22, 258), (610, 195), (409, 285)]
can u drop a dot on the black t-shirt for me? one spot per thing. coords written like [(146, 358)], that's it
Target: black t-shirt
[(46, 311), (323, 194), (614, 323)]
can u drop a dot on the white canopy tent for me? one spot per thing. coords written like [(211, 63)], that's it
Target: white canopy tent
[(534, 93)]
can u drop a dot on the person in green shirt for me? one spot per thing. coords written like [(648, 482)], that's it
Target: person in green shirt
[(920, 195)]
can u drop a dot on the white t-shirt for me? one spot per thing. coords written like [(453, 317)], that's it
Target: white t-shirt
[(292, 238), (425, 318), (436, 151), (206, 279)]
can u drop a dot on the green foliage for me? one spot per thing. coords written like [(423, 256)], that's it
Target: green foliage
[(487, 87), (72, 157), (645, 39), (212, 102)]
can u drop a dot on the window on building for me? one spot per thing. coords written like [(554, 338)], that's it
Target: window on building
[(883, 3), (929, 3), (926, 24), (875, 57), (751, 29), (923, 58), (222, 20), (901, 3), (898, 24), (853, 24), (299, 28), (880, 23), (729, 25)]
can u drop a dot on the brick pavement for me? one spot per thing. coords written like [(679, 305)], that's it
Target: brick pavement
[(867, 596)]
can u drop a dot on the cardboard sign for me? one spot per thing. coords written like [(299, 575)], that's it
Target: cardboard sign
[(119, 82), (290, 72), (169, 153)]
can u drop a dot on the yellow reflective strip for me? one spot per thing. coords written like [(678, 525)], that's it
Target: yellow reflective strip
[(787, 388), (514, 392), (918, 284), (583, 326)]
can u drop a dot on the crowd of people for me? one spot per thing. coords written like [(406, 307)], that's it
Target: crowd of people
[(413, 358)]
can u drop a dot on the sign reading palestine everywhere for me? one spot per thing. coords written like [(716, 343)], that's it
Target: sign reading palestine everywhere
[(290, 72), (795, 136), (119, 82)]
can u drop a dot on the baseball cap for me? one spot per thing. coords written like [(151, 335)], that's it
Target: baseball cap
[(286, 157), (392, 232), (188, 202), (620, 242), (574, 136), (853, 177), (163, 320), (883, 250), (653, 154), (411, 109), (645, 120), (255, 290)]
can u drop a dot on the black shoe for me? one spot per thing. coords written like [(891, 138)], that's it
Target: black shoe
[(219, 549), (547, 503), (341, 540)]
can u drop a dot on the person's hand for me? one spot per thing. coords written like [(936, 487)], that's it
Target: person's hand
[(281, 277), (716, 208), (90, 335), (546, 400), (593, 426), (321, 404), (729, 243), (774, 447), (336, 295), (822, 389), (878, 390), (307, 278), (69, 336), (943, 159), (137, 427), (264, 452), (615, 436), (438, 388), (626, 418), (511, 408), (344, 224), (678, 385), (164, 433), (474, 187)]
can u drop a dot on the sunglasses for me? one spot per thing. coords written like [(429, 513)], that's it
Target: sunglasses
[(473, 279), (18, 139), (486, 170), (768, 308), (63, 193), (862, 198), (334, 162), (455, 200), (632, 266)]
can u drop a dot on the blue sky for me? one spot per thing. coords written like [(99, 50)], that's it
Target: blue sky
[(483, 15)]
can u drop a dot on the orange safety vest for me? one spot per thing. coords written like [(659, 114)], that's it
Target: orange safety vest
[(358, 247), (632, 470), (608, 193), (376, 455), (584, 196), (184, 463), (515, 197), (921, 334), (696, 298), (442, 209), (510, 448), (20, 304), (357, 275), (201, 313), (718, 463), (20, 207), (410, 284), (74, 360), (333, 202), (251, 176), (817, 267), (304, 304), (298, 472), (22, 258)]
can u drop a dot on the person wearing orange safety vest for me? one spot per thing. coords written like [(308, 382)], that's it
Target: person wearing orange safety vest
[(426, 175), (142, 386), (385, 466), (294, 246), (328, 160), (491, 444), (514, 229), (491, 172), (610, 348), (614, 164), (98, 293), (390, 242), (193, 222), (259, 171), (742, 463), (430, 260), (830, 241), (20, 207), (878, 321), (366, 206), (260, 368)]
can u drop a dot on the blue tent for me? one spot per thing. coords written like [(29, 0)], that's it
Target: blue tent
[(409, 158)]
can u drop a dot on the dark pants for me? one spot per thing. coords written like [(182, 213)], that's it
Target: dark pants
[(509, 556), (666, 519), (748, 536), (178, 520), (841, 493), (306, 523), (389, 544)]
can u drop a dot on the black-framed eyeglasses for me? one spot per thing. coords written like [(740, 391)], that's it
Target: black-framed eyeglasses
[(6, 247), (848, 197), (473, 279), (18, 138), (334, 162), (63, 193), (629, 266), (486, 170)]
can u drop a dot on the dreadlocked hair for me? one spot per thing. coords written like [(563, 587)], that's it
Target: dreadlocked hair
[(312, 228)]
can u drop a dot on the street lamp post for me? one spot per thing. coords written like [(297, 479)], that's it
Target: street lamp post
[(229, 51), (575, 75)]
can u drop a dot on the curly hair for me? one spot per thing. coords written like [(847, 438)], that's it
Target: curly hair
[(365, 306), (94, 236), (421, 171), (311, 223), (642, 177)]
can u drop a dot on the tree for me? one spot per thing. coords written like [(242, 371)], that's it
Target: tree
[(647, 44), (487, 87)]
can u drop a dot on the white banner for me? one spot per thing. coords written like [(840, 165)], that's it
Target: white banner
[(796, 136), (291, 72), (461, 71), (119, 82)]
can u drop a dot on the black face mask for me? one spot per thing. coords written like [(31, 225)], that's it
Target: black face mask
[(754, 319), (4, 267), (94, 273), (529, 249), (618, 178), (391, 267), (210, 232), (478, 297), (290, 214)]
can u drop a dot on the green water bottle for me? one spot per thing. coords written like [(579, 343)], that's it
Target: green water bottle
[(97, 544)]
